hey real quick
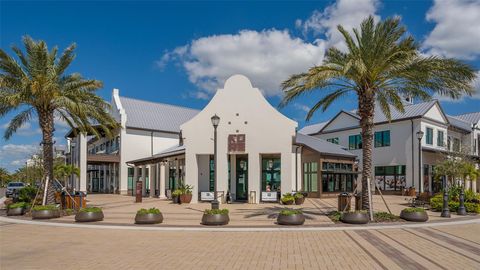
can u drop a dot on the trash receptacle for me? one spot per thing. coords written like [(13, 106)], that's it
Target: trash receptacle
[(358, 201), (344, 201)]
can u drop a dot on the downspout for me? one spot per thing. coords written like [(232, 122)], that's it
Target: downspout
[(151, 143), (413, 157)]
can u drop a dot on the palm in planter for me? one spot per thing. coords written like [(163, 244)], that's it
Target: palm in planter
[(381, 64), (37, 84), (185, 193)]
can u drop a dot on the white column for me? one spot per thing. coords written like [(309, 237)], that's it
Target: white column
[(152, 173), (162, 180), (135, 179), (82, 147), (144, 180), (104, 178)]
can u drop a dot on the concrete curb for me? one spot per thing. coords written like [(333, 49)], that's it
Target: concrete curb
[(236, 229)]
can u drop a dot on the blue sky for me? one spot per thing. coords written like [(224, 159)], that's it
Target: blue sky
[(180, 52)]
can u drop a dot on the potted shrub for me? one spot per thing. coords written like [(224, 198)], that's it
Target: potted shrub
[(415, 214), (290, 217), (89, 214), (299, 198), (148, 216), (215, 217), (287, 199), (355, 217), (16, 209), (186, 193), (176, 195), (45, 212)]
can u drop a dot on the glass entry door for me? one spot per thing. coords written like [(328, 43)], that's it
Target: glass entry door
[(241, 181)]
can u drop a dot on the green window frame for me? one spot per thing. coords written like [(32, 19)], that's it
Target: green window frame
[(440, 138), (310, 176), (355, 142), (429, 138), (382, 138), (271, 176), (333, 140), (390, 178)]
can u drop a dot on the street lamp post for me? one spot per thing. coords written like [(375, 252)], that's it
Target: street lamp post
[(419, 137), (215, 121)]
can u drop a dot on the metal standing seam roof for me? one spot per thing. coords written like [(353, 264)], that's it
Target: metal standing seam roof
[(155, 116), (459, 123), (171, 151), (322, 146), (411, 111), (472, 118), (312, 129)]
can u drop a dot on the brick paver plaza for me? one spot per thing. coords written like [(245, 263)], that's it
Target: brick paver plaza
[(28, 246)]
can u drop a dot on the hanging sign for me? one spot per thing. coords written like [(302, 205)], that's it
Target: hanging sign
[(236, 142)]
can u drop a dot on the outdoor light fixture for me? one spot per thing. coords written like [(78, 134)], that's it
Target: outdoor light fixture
[(215, 121), (419, 137)]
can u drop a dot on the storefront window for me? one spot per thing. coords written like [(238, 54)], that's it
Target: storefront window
[(130, 179), (271, 180), (390, 177), (310, 176)]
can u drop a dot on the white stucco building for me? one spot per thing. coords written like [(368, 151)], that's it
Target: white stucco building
[(396, 147)]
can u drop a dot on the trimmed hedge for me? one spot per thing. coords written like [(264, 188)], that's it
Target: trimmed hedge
[(436, 203)]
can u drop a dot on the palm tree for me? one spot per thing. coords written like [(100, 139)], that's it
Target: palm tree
[(38, 84), (382, 63), (4, 176), (62, 171)]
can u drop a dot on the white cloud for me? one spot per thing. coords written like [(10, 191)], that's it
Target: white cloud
[(267, 57), (348, 13), (301, 107), (14, 155), (25, 130), (457, 29)]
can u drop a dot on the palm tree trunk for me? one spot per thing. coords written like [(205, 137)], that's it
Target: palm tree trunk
[(47, 126), (366, 110)]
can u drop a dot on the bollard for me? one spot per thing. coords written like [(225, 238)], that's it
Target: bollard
[(461, 209), (445, 210)]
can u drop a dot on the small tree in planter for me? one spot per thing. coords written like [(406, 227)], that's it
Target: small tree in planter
[(355, 217), (415, 214), (215, 217), (299, 198), (186, 193), (45, 211), (148, 216), (290, 217), (287, 199), (176, 195), (89, 214), (17, 209)]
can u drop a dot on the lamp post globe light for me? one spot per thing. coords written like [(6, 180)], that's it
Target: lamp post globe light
[(215, 121), (419, 137)]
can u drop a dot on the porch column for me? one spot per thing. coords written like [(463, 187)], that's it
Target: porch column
[(135, 178), (114, 168), (177, 173), (144, 180), (104, 178), (162, 179), (152, 177)]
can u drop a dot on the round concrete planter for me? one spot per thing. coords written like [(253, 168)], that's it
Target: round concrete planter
[(288, 202), (354, 218), (185, 198), (17, 211), (414, 216), (215, 220), (89, 216), (297, 219), (148, 218), (45, 214), (299, 201)]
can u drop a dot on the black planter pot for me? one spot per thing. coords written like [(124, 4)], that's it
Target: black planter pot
[(215, 220), (297, 219), (299, 201), (45, 214), (176, 199), (88, 216), (354, 218), (414, 216), (148, 218), (18, 211)]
